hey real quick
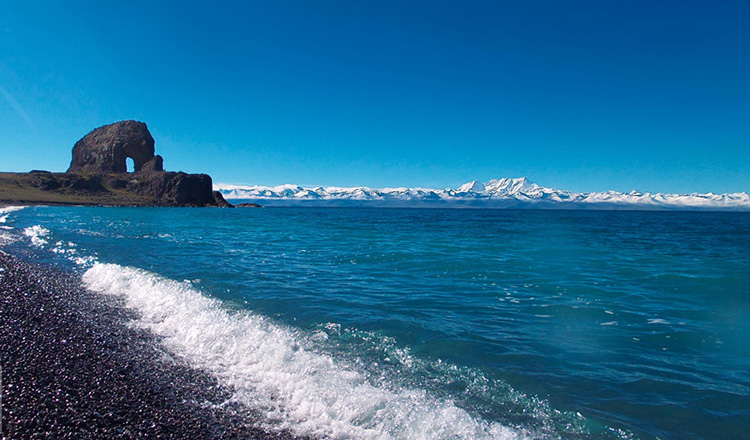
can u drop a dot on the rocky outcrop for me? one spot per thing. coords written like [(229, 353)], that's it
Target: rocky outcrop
[(98, 173), (220, 201), (155, 164), (174, 189), (105, 149), (69, 182)]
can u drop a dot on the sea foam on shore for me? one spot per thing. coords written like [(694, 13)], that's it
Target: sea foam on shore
[(266, 368), (274, 369), (73, 369)]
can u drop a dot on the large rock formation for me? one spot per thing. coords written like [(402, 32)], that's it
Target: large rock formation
[(105, 149), (98, 173), (173, 189), (220, 201)]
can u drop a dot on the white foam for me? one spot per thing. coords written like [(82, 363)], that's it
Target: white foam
[(41, 236), (276, 370), (6, 238), (38, 234), (5, 211)]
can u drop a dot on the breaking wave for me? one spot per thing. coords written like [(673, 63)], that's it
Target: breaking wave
[(278, 371)]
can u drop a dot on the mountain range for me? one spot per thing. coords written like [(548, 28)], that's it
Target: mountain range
[(497, 193)]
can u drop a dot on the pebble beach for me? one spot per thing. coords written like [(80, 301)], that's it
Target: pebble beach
[(72, 368)]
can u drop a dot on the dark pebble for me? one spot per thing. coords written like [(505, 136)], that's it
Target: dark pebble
[(73, 369)]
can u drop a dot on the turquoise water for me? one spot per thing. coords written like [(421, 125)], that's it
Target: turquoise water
[(540, 324)]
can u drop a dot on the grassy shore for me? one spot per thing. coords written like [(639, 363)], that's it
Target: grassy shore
[(28, 189)]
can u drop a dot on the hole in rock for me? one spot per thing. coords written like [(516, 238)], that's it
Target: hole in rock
[(129, 165)]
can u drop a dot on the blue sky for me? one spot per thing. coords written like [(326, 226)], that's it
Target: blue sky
[(580, 95)]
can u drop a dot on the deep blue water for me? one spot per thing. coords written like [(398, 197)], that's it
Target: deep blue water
[(557, 324)]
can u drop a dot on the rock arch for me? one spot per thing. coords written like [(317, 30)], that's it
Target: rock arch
[(105, 149)]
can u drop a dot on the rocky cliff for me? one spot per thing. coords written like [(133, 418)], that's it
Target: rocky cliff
[(105, 149), (98, 175)]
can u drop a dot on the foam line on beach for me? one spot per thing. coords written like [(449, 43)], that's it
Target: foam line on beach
[(73, 368), (5, 236), (271, 368), (6, 210)]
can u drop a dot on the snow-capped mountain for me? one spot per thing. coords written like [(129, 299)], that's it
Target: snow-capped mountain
[(496, 193)]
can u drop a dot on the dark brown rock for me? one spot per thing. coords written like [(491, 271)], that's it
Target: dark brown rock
[(82, 183), (105, 149), (155, 164), (45, 181), (249, 205), (173, 189), (221, 201), (98, 176), (69, 182)]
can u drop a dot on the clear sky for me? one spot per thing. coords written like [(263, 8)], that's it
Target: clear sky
[(579, 95)]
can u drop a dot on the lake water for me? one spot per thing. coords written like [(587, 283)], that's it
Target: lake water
[(436, 323)]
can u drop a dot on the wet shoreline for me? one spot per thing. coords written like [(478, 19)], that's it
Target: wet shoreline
[(73, 368)]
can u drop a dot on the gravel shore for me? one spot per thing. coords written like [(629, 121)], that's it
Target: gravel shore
[(73, 369)]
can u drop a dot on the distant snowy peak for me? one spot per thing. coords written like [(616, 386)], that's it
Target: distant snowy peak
[(515, 193), (474, 186), (511, 186)]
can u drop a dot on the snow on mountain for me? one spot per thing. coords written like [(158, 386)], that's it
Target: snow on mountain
[(474, 186), (510, 193)]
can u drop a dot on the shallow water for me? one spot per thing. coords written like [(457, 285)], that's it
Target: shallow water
[(437, 323)]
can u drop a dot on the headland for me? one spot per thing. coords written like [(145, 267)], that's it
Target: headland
[(98, 175)]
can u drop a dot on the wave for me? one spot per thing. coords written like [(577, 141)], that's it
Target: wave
[(298, 380), (41, 238), (5, 236), (6, 210), (277, 370)]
